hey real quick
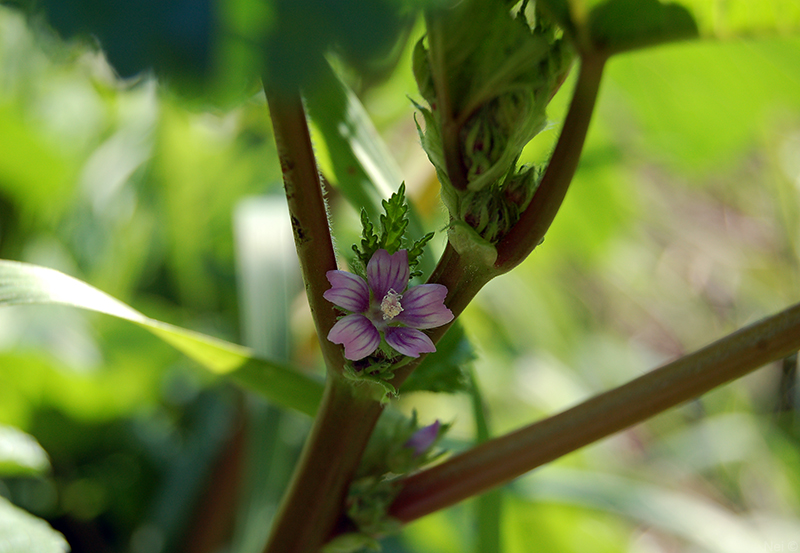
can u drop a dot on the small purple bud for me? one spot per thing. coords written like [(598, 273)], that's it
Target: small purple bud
[(423, 438)]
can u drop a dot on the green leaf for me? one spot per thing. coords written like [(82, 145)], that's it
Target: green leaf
[(621, 25), (489, 505), (443, 370), (21, 532), (744, 18), (20, 453), (362, 165), (22, 283)]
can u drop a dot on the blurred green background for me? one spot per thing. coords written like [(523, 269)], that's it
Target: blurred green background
[(682, 225)]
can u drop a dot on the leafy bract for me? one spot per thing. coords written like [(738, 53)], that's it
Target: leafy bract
[(22, 283), (21, 532), (392, 235)]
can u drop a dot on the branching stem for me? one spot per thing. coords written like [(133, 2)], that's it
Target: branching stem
[(497, 461), (529, 231)]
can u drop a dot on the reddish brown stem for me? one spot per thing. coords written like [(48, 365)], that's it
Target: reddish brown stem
[(495, 462)]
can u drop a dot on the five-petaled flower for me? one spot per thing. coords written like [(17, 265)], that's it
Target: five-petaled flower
[(383, 306)]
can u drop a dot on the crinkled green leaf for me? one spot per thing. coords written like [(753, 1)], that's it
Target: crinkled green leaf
[(394, 223), (21, 532), (22, 283), (20, 453)]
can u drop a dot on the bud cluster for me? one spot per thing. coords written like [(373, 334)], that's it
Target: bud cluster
[(494, 209), (497, 89)]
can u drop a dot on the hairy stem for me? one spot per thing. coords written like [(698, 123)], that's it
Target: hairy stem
[(309, 218), (346, 417), (497, 461), (529, 231)]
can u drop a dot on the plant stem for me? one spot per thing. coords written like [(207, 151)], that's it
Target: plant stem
[(347, 415), (309, 218), (315, 498), (529, 231), (500, 460)]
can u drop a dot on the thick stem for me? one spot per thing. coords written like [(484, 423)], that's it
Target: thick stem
[(314, 501), (500, 460), (309, 218), (529, 231)]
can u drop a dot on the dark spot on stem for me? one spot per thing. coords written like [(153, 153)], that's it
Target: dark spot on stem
[(299, 233)]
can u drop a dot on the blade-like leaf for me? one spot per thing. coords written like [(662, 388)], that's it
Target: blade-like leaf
[(21, 532), (22, 283), (20, 453), (362, 165)]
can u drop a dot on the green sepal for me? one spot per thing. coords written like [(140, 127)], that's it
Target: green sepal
[(379, 373), (469, 244)]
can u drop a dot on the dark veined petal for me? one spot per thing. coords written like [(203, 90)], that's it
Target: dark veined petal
[(423, 307), (388, 272), (358, 335), (409, 341), (348, 291)]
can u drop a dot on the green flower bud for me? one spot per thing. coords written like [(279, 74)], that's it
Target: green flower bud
[(518, 189)]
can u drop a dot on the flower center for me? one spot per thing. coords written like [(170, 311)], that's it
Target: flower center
[(390, 305)]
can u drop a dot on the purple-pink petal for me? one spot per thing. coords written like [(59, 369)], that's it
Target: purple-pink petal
[(358, 335), (348, 291), (388, 272), (409, 341), (423, 438), (423, 307)]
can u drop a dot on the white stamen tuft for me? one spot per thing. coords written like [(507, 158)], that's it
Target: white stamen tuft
[(390, 305)]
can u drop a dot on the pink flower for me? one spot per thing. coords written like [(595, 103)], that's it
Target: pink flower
[(383, 306)]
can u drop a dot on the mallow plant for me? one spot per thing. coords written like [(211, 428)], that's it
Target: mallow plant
[(486, 71)]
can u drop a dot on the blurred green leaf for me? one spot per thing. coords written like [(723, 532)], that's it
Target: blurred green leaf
[(21, 532), (22, 283), (20, 453), (740, 18), (620, 25), (489, 505), (688, 515), (363, 166), (444, 370)]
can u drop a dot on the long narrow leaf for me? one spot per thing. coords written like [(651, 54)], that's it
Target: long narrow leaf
[(22, 283), (489, 505), (363, 167)]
